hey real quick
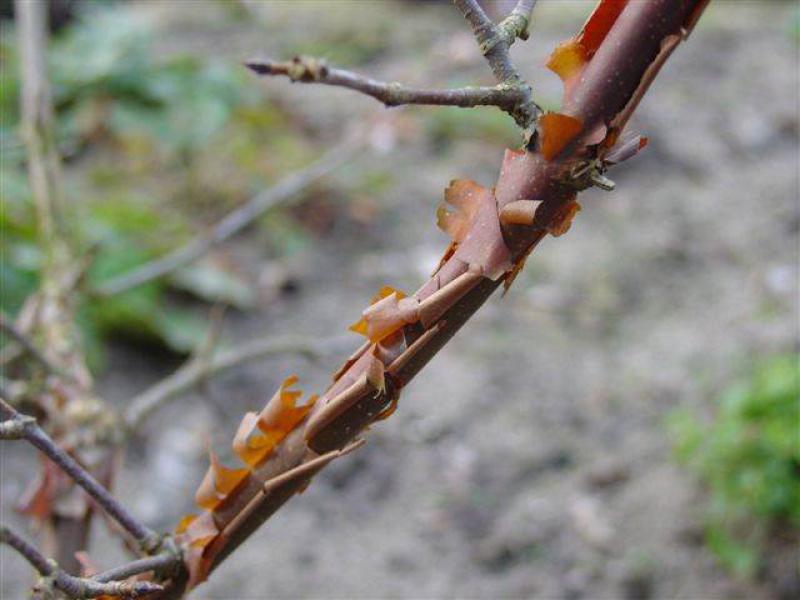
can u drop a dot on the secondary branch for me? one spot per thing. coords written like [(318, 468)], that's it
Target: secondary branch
[(74, 587), (231, 224), (19, 426), (307, 69)]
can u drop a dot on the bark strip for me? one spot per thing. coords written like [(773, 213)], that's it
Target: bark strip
[(631, 46)]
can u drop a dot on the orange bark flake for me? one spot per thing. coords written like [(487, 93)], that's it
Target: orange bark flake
[(462, 198), (199, 534), (185, 521), (567, 59), (259, 433), (218, 482), (40, 497), (469, 215), (199, 531), (562, 220), (389, 311), (557, 130)]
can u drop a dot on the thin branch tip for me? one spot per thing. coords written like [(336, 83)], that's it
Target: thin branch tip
[(30, 430), (258, 66), (299, 68), (54, 578), (238, 219), (511, 95)]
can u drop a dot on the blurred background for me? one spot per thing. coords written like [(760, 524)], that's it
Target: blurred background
[(623, 424)]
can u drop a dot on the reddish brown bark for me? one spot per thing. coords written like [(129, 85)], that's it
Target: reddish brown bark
[(625, 44)]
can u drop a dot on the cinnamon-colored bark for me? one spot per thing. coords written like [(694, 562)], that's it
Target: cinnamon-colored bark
[(627, 44)]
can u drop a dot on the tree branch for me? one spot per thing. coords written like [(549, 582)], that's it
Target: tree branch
[(18, 426), (78, 587), (366, 388), (516, 24), (37, 119), (512, 94), (54, 322), (233, 223), (159, 562), (494, 40), (197, 370), (307, 69)]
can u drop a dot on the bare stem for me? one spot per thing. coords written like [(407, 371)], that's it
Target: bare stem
[(24, 426), (37, 120), (512, 94), (232, 223), (516, 24), (492, 41), (312, 70), (159, 562), (76, 587), (28, 552), (198, 370)]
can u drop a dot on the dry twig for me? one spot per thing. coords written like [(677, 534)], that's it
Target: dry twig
[(233, 223), (19, 426), (159, 562), (511, 94), (493, 230), (54, 305), (307, 69), (80, 587)]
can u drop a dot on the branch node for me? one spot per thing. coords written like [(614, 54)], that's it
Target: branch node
[(601, 181), (15, 428), (35, 435), (489, 42)]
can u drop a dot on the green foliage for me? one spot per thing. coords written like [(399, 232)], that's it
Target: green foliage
[(155, 141), (108, 79), (159, 146), (749, 457), (20, 257)]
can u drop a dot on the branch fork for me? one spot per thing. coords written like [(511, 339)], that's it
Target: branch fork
[(54, 578), (511, 94)]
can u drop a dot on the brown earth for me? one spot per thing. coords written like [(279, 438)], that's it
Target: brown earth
[(530, 460)]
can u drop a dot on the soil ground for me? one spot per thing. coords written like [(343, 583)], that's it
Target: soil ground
[(530, 459)]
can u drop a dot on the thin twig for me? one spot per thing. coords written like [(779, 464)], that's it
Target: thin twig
[(28, 552), (37, 120), (232, 223), (491, 41), (74, 587), (196, 371), (28, 346), (494, 42), (312, 70), (512, 94), (30, 430), (159, 562), (516, 24)]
